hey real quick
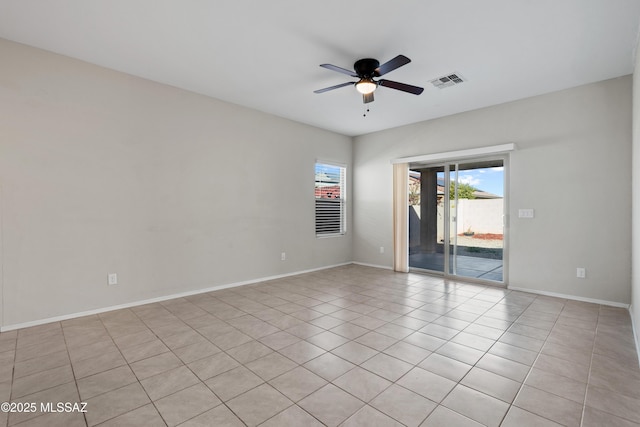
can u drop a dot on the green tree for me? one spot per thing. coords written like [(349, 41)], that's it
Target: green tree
[(465, 191), (414, 192)]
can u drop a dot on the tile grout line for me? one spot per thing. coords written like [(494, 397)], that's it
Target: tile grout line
[(586, 389), (535, 360), (487, 352), (75, 380), (129, 366)]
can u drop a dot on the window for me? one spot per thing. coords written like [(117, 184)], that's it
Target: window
[(330, 192)]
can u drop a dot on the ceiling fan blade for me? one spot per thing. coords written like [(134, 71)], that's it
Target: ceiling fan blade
[(367, 97), (416, 90), (339, 69), (327, 89), (389, 66)]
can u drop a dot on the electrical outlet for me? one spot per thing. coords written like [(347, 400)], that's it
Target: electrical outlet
[(581, 272), (283, 256), (112, 279), (381, 249)]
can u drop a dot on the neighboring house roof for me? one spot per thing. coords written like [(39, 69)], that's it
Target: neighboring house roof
[(479, 194), (328, 192), (485, 195)]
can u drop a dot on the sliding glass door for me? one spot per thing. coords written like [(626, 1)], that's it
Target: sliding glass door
[(456, 218), (426, 218)]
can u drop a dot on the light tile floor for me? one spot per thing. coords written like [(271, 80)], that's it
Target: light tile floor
[(351, 346)]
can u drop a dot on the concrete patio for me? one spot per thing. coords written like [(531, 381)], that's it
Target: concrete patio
[(479, 267)]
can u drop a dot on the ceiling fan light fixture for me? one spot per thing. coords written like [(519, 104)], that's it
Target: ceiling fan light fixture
[(366, 86)]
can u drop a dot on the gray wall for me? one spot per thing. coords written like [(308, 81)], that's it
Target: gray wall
[(572, 165), (102, 172), (635, 284)]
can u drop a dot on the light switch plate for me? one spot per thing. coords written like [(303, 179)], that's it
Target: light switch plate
[(525, 213)]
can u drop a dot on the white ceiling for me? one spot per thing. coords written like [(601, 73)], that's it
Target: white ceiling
[(265, 54)]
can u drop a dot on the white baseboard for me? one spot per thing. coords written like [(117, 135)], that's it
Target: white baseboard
[(571, 297), (364, 264), (159, 299), (634, 327)]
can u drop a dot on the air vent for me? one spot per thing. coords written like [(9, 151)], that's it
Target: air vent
[(447, 81)]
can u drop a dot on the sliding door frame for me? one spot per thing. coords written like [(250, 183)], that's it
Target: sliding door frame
[(455, 162)]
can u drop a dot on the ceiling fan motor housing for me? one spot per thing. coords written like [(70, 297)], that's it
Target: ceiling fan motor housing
[(366, 68)]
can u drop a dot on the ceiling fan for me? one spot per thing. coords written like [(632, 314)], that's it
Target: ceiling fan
[(368, 68)]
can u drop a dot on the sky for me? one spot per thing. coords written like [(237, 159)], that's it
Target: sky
[(490, 180)]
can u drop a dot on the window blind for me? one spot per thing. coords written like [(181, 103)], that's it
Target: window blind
[(330, 195)]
